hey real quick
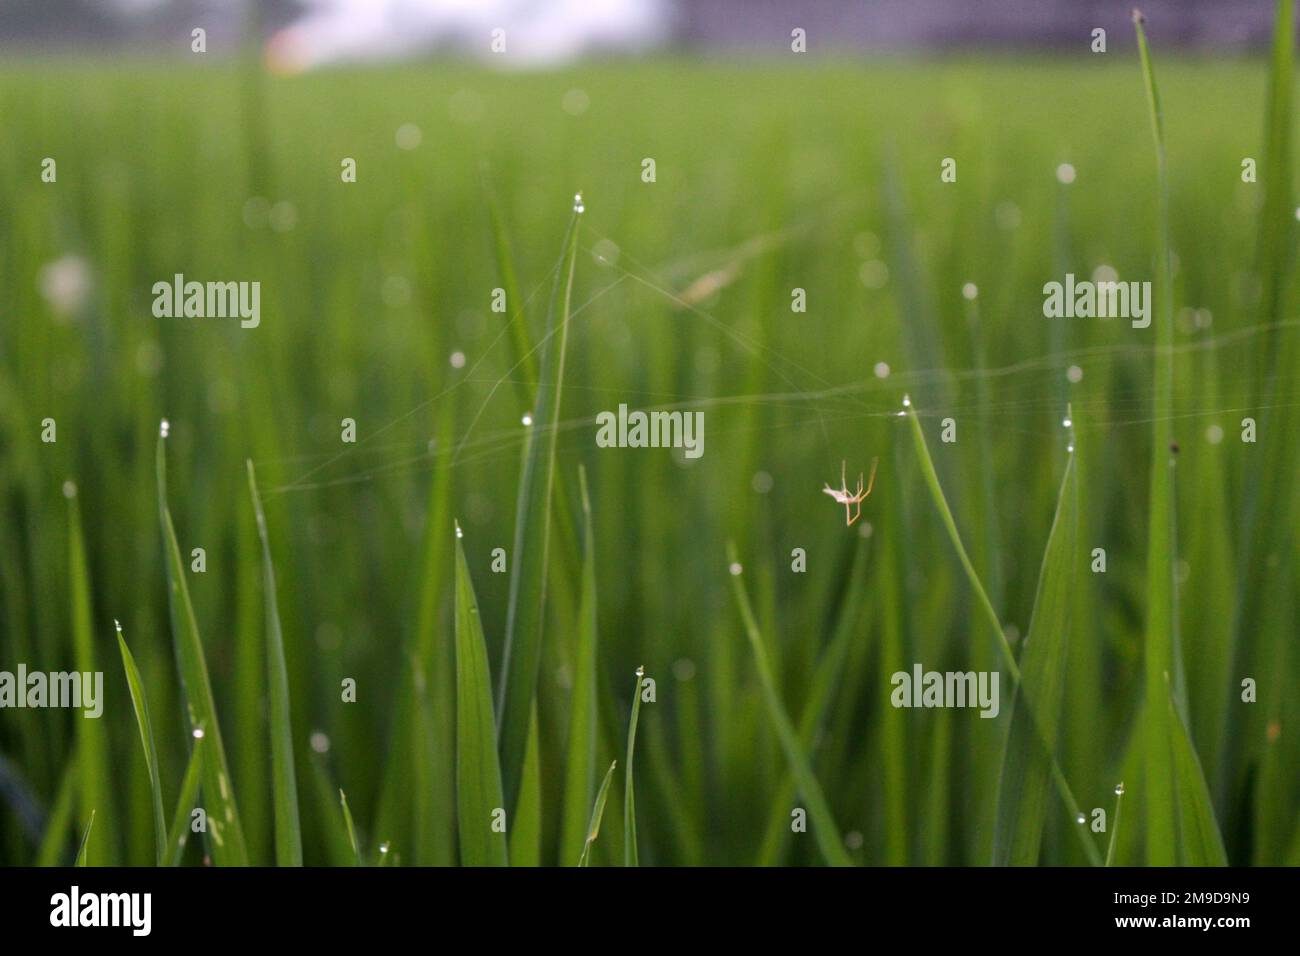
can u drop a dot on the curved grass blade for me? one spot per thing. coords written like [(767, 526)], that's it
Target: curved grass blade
[(85, 841), (1161, 652), (92, 734), (630, 855), (179, 833), (478, 778), (352, 830), (1114, 826), (284, 782), (597, 812), (525, 612), (580, 768), (825, 831), (225, 836), (526, 828), (1026, 766), (986, 606), (145, 725)]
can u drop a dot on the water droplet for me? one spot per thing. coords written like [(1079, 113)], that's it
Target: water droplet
[(1074, 374), (457, 360), (640, 671), (1066, 422), (117, 624), (1080, 819), (1119, 788), (1065, 174), (527, 419), (578, 207), (735, 568), (970, 291), (882, 370), (459, 532), (320, 742), (69, 489), (1070, 448), (907, 402), (197, 733), (383, 848), (164, 427)]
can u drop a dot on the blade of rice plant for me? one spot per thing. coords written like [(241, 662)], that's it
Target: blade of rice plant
[(1160, 649), (525, 611), (92, 734), (225, 836), (352, 830), (630, 855), (1199, 843), (825, 681), (141, 705), (597, 812), (55, 841), (825, 832), (522, 357), (81, 859), (478, 778), (1024, 779), (580, 768), (179, 833), (1114, 826), (284, 783), (986, 606), (526, 828)]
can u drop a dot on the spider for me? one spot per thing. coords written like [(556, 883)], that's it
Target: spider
[(844, 497)]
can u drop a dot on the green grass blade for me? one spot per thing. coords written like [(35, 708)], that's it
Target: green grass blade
[(630, 855), (580, 768), (179, 833), (478, 777), (225, 835), (1200, 843), (141, 705), (352, 830), (1026, 766), (825, 831), (92, 733), (526, 828), (597, 813), (284, 782), (55, 840), (1160, 651), (986, 606), (522, 357), (82, 856), (1114, 826), (525, 612)]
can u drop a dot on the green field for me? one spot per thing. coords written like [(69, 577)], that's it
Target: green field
[(768, 179)]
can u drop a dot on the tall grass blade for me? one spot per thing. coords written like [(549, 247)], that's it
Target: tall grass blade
[(1026, 766), (580, 768), (92, 734), (597, 813), (526, 828), (525, 613), (1200, 843), (631, 856), (478, 777), (284, 781), (179, 833), (1160, 651), (54, 842), (825, 832), (986, 607), (145, 725), (1114, 826), (225, 836)]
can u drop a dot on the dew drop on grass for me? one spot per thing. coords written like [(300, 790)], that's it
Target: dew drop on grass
[(578, 207), (527, 419), (118, 625), (907, 402), (735, 568), (69, 489), (164, 427), (197, 733), (1074, 374), (457, 359), (1066, 422), (1080, 819), (1119, 789)]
